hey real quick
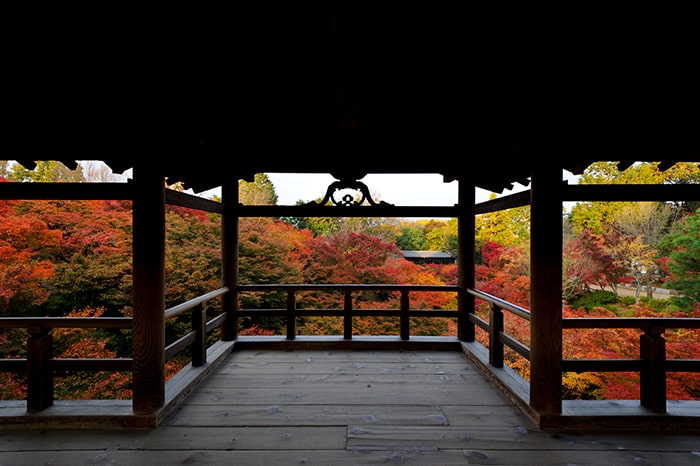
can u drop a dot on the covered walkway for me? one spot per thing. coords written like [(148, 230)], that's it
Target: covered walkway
[(339, 406)]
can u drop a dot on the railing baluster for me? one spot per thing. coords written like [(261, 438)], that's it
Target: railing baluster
[(291, 315), (347, 315), (495, 344), (39, 372), (199, 346), (652, 377), (405, 321)]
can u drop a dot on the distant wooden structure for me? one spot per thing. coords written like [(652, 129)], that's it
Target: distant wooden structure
[(429, 257)]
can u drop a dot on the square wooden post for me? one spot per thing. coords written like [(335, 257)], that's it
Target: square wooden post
[(229, 260), (466, 243), (149, 289), (546, 245)]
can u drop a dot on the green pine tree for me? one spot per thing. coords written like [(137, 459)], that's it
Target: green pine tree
[(682, 245)]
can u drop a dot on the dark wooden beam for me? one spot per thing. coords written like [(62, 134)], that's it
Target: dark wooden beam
[(149, 291), (546, 290)]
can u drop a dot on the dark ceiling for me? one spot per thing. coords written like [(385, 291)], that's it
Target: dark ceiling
[(349, 87)]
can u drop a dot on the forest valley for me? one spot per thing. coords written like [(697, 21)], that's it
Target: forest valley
[(73, 258)]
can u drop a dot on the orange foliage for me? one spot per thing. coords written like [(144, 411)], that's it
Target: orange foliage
[(88, 343)]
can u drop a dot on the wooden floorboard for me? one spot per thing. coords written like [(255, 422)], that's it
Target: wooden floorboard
[(344, 407)]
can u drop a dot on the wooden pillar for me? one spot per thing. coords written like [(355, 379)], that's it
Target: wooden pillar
[(466, 242), (229, 259), (149, 289), (546, 288)]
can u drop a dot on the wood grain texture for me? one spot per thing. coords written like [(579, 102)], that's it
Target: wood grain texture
[(342, 407)]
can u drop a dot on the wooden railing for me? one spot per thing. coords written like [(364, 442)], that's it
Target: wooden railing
[(196, 339), (347, 312), (40, 365), (652, 364)]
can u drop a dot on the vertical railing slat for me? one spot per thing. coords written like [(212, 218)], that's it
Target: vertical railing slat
[(291, 315), (405, 321), (39, 372), (496, 346), (347, 315), (199, 327)]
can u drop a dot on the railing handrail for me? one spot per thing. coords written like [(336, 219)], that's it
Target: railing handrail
[(517, 310), (345, 287), (194, 302), (630, 322), (66, 322)]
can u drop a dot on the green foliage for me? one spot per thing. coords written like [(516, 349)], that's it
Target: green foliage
[(599, 216), (656, 304), (260, 191), (627, 300), (510, 227), (593, 299), (411, 237), (683, 247), (441, 236), (46, 171)]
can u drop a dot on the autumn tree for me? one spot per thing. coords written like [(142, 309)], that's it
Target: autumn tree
[(579, 268), (92, 261), (505, 273), (598, 216), (637, 259), (46, 171), (90, 344), (593, 259), (193, 255), (97, 172), (643, 224), (270, 251), (347, 258), (25, 272)]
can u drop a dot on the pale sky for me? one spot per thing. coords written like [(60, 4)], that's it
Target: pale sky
[(400, 190)]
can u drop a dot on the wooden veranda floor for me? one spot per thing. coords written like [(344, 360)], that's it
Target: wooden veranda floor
[(343, 407)]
